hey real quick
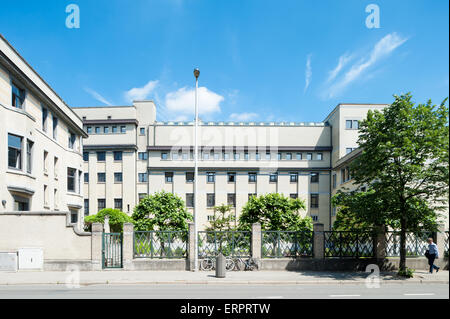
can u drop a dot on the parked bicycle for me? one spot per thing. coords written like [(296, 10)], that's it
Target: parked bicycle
[(245, 264), (209, 263)]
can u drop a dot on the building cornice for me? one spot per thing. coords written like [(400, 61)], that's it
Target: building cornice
[(110, 147), (243, 148)]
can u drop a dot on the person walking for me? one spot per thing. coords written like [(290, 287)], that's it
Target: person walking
[(432, 254)]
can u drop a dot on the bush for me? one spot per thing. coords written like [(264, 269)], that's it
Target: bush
[(116, 219), (407, 273)]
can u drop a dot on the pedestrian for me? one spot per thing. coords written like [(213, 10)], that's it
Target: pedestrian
[(432, 254)]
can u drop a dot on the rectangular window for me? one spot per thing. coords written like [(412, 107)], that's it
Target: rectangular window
[(226, 156), (288, 156), (185, 156), (86, 207), (279, 156), (44, 119), (71, 142), (319, 156), (143, 177), (45, 163), (210, 200), (101, 203), (45, 196), (118, 177), (86, 156), (343, 178), (143, 156), (101, 156), (118, 155), (210, 177), (106, 129), (164, 156), (21, 204), (55, 167), (14, 151), (231, 177), (142, 196), (89, 130), (55, 198), (118, 203), (73, 216), (101, 177), (258, 156), (123, 129), (268, 156), (309, 156), (55, 127), (246, 156), (18, 96), (348, 150), (315, 218), (79, 182), (348, 124), (97, 130), (189, 177), (236, 156), (314, 200), (252, 177), (231, 200), (71, 176), (205, 156), (169, 177), (273, 178), (333, 211), (114, 129), (294, 177), (334, 181), (142, 130), (250, 195), (355, 124), (86, 177), (299, 156), (314, 177), (29, 155), (190, 200), (293, 196)]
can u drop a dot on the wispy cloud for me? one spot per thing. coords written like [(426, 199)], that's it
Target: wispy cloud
[(343, 60), (141, 93), (382, 49), (308, 72), (243, 116), (98, 97), (182, 101)]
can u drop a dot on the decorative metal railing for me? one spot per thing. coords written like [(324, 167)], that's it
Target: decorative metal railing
[(112, 250), (416, 243), (349, 244), (446, 244), (229, 243), (160, 244), (279, 244)]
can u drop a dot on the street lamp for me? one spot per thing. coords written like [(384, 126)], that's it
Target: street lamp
[(196, 74)]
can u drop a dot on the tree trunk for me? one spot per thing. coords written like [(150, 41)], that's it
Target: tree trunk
[(402, 266)]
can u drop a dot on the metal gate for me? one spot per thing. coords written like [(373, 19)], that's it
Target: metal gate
[(112, 250)]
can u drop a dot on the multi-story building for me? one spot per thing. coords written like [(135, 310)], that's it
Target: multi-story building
[(129, 154), (40, 142)]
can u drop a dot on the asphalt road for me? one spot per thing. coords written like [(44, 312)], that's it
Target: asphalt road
[(186, 291)]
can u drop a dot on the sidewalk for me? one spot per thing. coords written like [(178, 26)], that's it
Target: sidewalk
[(201, 277)]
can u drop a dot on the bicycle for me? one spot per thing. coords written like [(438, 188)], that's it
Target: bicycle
[(209, 263), (245, 264)]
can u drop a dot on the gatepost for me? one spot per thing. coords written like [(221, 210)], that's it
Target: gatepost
[(380, 243), (96, 246), (128, 245), (191, 246), (256, 244), (319, 241), (440, 240)]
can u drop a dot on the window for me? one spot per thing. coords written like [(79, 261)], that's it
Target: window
[(101, 156), (169, 177), (231, 200), (279, 156), (333, 211), (143, 156), (186, 155), (319, 156), (334, 181), (164, 156), (348, 124), (79, 181), (14, 151), (258, 156), (299, 156), (89, 130), (142, 130), (55, 198), (309, 156), (348, 150), (71, 176), (86, 156), (55, 127), (189, 177), (97, 130), (143, 177), (114, 129), (315, 218), (73, 216), (246, 156), (55, 167), (294, 177), (293, 196), (45, 162), (118, 203), (29, 155), (86, 207), (123, 129), (118, 177), (236, 156), (101, 203), (190, 200), (314, 200), (226, 156), (268, 156), (273, 178), (118, 155), (314, 177), (288, 156), (86, 177), (211, 218), (142, 196), (250, 195), (355, 124), (352, 124), (210, 200), (45, 196), (72, 138), (106, 129), (231, 177), (205, 156), (210, 177), (44, 119), (252, 177), (21, 204), (101, 177), (18, 96)]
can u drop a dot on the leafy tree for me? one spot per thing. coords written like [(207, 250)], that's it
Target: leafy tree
[(404, 163), (224, 219), (161, 211), (116, 219), (274, 212)]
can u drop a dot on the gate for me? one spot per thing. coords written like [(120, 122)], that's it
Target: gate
[(112, 250)]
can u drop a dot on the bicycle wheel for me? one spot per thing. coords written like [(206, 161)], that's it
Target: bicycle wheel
[(240, 264), (252, 264), (206, 264), (229, 264)]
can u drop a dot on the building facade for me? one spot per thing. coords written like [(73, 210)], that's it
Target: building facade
[(41, 142), (129, 154)]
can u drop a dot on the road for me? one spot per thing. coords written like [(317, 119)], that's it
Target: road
[(197, 291)]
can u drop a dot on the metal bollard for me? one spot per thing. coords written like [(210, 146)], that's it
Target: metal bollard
[(220, 266)]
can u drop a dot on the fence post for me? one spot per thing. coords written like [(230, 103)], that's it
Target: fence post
[(380, 243), (191, 247), (319, 241), (128, 246), (440, 240), (96, 246), (256, 243)]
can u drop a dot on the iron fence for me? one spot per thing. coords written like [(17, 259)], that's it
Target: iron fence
[(279, 244), (416, 243), (349, 244), (112, 250), (446, 244), (229, 243), (160, 244)]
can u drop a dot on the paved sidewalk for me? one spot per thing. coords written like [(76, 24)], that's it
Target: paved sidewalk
[(201, 277)]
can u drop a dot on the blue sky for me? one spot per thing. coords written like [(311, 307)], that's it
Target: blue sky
[(259, 60)]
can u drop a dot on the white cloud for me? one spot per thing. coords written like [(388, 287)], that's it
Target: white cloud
[(243, 116), (343, 60), (136, 94), (97, 96), (381, 50), (183, 101), (308, 72)]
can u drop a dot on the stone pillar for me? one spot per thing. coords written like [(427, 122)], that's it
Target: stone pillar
[(256, 243), (319, 241), (191, 247), (440, 240), (128, 246), (96, 246), (380, 243)]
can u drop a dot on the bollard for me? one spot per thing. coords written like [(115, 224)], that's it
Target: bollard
[(220, 266)]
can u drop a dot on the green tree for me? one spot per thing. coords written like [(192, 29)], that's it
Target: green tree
[(404, 164), (274, 212), (224, 219), (116, 219), (161, 211)]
